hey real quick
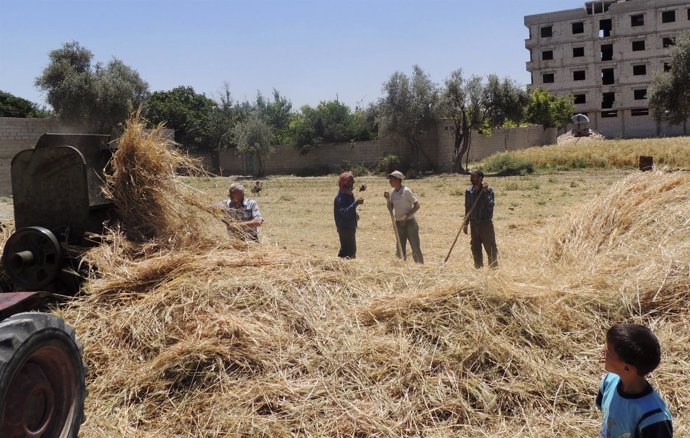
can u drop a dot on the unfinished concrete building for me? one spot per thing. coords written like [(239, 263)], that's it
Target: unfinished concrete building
[(606, 55)]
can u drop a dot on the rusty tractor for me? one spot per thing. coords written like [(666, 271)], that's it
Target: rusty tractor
[(58, 205)]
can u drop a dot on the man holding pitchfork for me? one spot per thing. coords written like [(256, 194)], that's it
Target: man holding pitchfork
[(479, 206), (403, 204)]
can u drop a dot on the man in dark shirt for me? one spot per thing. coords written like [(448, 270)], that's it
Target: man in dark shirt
[(345, 213), (481, 220)]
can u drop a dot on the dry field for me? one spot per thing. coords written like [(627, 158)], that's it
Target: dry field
[(188, 332), (298, 215)]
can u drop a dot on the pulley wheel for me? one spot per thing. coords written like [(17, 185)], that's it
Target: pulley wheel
[(32, 258)]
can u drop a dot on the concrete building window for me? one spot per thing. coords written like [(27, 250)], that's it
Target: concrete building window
[(637, 20), (606, 52), (596, 7), (607, 76), (579, 98), (608, 114), (578, 27), (637, 46), (639, 112), (546, 31), (607, 100), (640, 94), (688, 13), (547, 78), (668, 42), (668, 16), (605, 27), (639, 70), (667, 67), (578, 52), (547, 55), (579, 75)]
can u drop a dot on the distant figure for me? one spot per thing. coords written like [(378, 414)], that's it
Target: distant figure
[(631, 406), (257, 188), (479, 203), (243, 214), (404, 204), (345, 213)]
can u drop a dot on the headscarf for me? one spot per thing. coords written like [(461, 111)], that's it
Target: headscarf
[(344, 182)]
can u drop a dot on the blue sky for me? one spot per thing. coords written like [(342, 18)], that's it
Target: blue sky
[(309, 50)]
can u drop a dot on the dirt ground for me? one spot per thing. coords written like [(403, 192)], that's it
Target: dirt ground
[(298, 211)]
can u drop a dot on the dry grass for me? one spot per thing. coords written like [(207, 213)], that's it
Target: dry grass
[(673, 152), (213, 337)]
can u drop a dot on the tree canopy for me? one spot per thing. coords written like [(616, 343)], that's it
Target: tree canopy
[(13, 106), (330, 122), (93, 97), (408, 108), (254, 136), (549, 110), (669, 96), (197, 120)]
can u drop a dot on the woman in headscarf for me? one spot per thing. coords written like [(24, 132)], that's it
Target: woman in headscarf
[(345, 213)]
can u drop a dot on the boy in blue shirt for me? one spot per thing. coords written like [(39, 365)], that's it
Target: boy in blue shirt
[(631, 407)]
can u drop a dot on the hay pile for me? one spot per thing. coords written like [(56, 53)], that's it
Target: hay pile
[(187, 334)]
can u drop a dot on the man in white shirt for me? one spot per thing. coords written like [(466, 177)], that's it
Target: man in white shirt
[(404, 204)]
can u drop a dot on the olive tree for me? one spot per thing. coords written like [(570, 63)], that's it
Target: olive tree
[(669, 96), (254, 137), (90, 96), (408, 109)]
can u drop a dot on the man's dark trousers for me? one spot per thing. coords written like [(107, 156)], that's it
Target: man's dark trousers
[(348, 243), (482, 233)]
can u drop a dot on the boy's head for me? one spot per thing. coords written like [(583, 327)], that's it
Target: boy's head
[(631, 348)]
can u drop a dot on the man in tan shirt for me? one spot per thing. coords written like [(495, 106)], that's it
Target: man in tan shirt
[(404, 204)]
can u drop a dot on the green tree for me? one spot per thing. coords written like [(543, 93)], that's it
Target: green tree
[(94, 97), (549, 110), (669, 97), (408, 109), (505, 102), (13, 106), (329, 122), (455, 107), (365, 123), (255, 137), (198, 121), (277, 114)]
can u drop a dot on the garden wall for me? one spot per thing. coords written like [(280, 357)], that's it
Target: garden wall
[(438, 146)]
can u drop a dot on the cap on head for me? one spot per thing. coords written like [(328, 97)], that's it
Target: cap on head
[(236, 187), (478, 172), (397, 174)]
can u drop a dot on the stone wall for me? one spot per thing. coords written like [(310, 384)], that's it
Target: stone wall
[(438, 146), (286, 159), (500, 140), (17, 134)]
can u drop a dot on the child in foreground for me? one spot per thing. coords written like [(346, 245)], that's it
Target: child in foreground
[(631, 406)]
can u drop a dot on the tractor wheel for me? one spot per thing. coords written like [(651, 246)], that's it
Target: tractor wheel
[(42, 387)]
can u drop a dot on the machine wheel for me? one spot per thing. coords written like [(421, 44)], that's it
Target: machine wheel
[(32, 257), (42, 386)]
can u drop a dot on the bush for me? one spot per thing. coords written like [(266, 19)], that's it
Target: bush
[(389, 163), (360, 170), (505, 164)]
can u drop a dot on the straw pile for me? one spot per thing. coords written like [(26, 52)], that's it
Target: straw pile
[(188, 336)]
